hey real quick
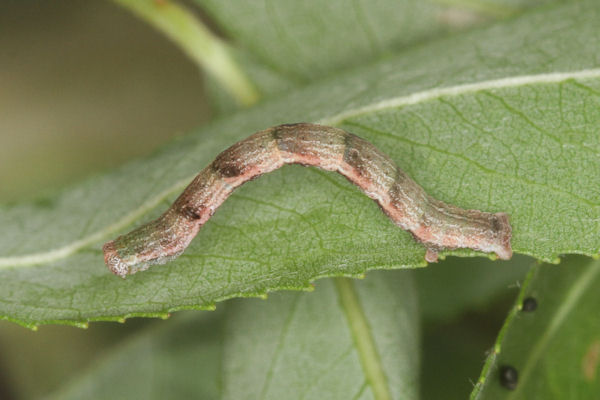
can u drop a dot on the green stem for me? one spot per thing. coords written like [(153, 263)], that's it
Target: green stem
[(490, 362), (200, 44)]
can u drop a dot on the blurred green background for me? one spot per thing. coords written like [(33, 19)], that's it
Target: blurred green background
[(84, 86)]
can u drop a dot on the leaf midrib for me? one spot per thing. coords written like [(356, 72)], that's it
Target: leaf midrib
[(370, 359), (400, 101)]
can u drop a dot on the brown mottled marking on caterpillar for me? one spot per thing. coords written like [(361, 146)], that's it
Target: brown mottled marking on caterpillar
[(190, 213), (437, 225)]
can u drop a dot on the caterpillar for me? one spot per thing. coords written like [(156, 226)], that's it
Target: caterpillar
[(435, 224)]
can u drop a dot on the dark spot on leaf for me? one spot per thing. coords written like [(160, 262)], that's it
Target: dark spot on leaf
[(508, 377), (529, 304)]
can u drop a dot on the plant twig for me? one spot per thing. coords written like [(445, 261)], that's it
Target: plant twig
[(198, 42)]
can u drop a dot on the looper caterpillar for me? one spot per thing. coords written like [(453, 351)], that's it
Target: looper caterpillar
[(433, 223)]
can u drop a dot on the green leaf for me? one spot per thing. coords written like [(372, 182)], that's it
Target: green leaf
[(348, 339), (555, 348), (178, 360), (500, 119), (287, 43)]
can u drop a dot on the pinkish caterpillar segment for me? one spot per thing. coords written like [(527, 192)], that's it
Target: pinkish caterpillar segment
[(435, 224)]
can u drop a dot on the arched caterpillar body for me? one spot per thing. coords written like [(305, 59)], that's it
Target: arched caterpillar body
[(435, 224)]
